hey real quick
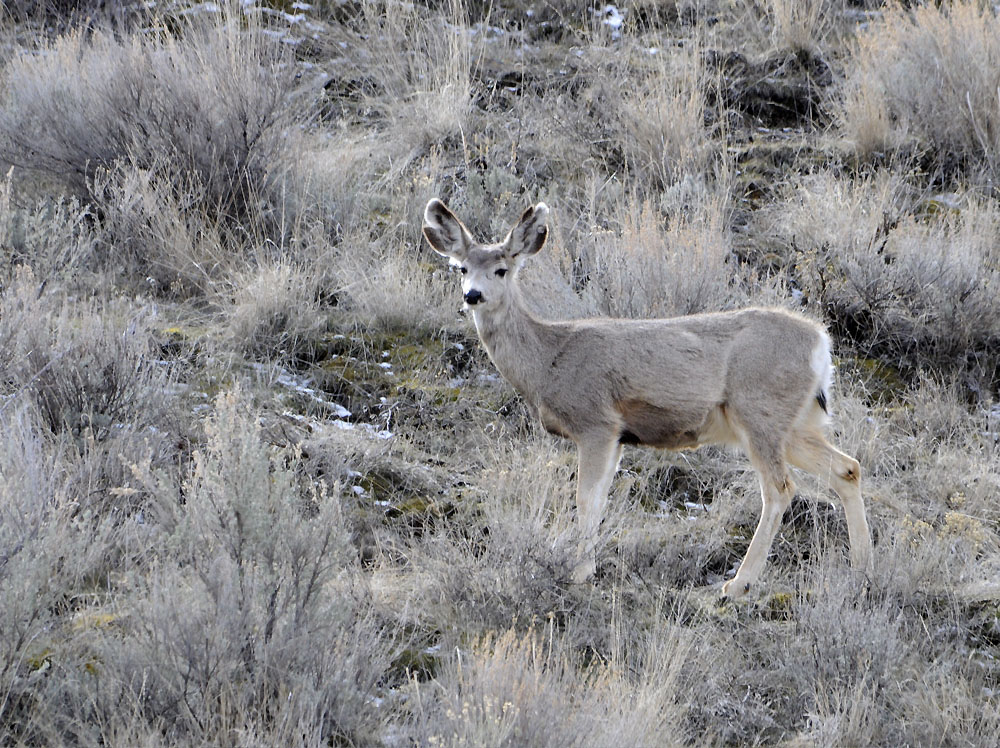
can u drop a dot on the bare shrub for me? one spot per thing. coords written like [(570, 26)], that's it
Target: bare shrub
[(928, 75), (507, 555), (89, 372), (275, 312), (49, 552), (861, 659), (151, 234), (846, 215), (49, 17), (257, 629), (848, 658), (65, 11), (662, 268), (419, 67), (84, 370), (681, 521), (53, 237), (379, 285), (204, 116), (918, 288), (530, 688), (663, 119), (803, 26), (650, 129)]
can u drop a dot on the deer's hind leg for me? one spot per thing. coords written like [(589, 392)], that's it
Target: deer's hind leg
[(598, 461), (776, 490), (809, 450)]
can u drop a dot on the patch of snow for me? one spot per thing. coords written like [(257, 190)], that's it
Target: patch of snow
[(366, 427), (301, 385)]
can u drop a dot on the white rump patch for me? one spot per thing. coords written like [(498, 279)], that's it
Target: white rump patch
[(822, 364)]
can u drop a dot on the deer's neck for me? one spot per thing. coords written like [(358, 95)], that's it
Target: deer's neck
[(519, 345)]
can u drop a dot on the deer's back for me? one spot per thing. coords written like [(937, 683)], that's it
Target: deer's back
[(666, 379)]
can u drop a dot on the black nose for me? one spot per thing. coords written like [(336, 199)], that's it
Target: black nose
[(473, 296)]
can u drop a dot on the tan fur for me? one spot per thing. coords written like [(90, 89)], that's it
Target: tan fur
[(750, 377)]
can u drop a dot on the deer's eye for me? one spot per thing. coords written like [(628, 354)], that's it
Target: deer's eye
[(501, 272), (464, 270)]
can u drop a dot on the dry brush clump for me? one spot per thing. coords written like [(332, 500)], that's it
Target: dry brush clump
[(53, 16), (274, 313), (662, 267), (255, 623), (53, 237), (926, 78), (530, 688), (84, 370), (803, 27), (916, 281), (505, 552), (237, 617), (51, 553), (168, 133), (662, 119)]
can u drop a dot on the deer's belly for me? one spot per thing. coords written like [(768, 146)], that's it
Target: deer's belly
[(671, 428)]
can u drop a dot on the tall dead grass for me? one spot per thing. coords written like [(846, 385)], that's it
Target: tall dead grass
[(170, 134), (927, 77), (662, 117), (805, 27), (662, 267), (919, 287), (515, 688)]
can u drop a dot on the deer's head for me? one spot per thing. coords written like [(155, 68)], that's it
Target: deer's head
[(488, 270)]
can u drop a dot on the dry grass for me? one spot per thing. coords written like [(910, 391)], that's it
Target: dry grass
[(807, 27), (515, 688), (913, 280), (926, 78), (178, 140), (662, 267), (260, 485), (663, 119)]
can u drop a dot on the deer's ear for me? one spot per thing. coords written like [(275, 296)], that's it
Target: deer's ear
[(530, 233), (444, 232)]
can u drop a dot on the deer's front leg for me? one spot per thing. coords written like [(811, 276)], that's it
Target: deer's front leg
[(598, 462)]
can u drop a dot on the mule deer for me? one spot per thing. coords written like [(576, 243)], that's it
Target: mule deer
[(759, 378)]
